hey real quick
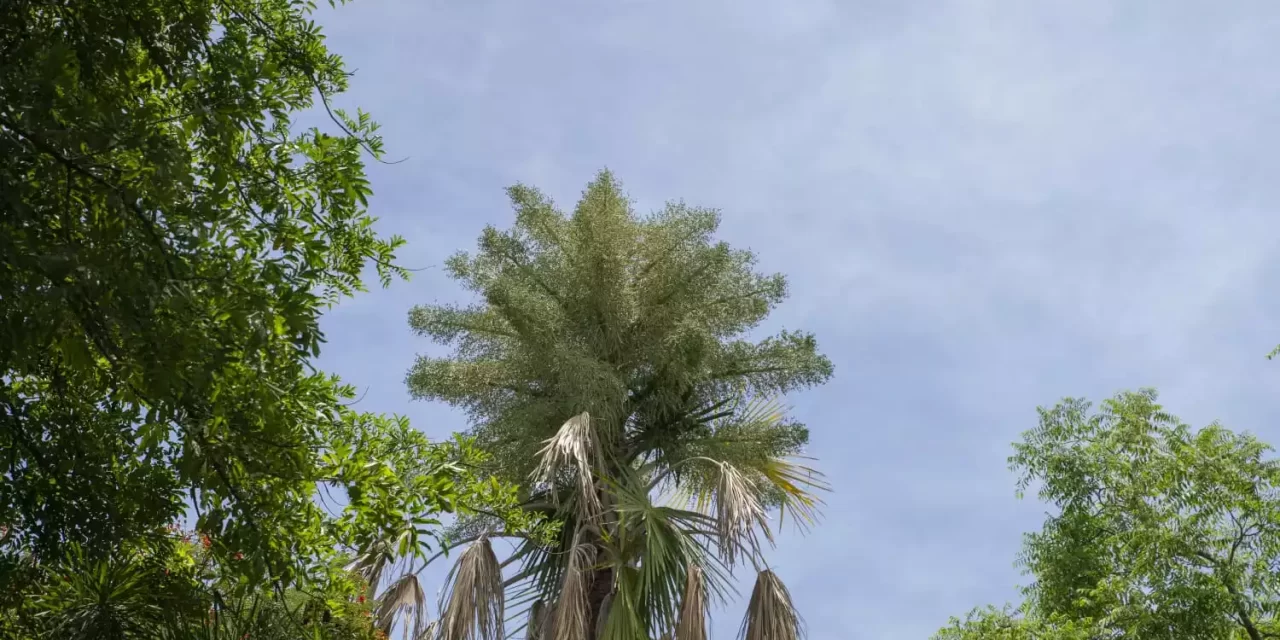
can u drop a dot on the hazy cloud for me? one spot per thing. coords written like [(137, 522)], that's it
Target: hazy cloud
[(982, 207)]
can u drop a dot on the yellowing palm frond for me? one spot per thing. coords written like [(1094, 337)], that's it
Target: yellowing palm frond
[(798, 486)]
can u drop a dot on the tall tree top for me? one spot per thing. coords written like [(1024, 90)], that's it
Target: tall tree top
[(641, 320)]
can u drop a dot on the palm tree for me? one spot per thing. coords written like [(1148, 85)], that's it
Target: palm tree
[(608, 373), (647, 546), (644, 549)]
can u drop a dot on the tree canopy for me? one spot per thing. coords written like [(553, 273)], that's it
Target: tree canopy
[(1161, 530), (639, 321), (617, 346), (170, 243)]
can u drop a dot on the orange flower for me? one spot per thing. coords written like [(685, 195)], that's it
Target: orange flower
[(360, 599)]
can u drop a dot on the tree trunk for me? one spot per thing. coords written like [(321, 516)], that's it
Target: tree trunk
[(597, 598)]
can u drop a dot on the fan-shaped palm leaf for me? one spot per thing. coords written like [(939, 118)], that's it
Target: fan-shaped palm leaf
[(663, 543), (797, 486)]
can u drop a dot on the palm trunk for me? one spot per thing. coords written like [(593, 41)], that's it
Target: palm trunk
[(597, 599), (602, 578)]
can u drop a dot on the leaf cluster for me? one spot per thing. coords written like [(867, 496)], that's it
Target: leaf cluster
[(1160, 530), (170, 241)]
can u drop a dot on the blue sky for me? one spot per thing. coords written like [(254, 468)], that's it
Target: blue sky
[(981, 206)]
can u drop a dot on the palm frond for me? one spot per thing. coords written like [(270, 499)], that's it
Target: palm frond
[(372, 563), (623, 616), (797, 486), (430, 631), (742, 470), (664, 543), (476, 599), (537, 620), (573, 447), (572, 617), (104, 597), (692, 624), (759, 409), (771, 615), (738, 514), (404, 596), (542, 567)]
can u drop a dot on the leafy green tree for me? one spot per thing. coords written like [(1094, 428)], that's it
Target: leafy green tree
[(178, 585), (607, 369), (170, 242), (1002, 624), (1161, 530)]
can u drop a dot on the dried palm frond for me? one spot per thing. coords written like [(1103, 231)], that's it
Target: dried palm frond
[(770, 614), (536, 622), (738, 512), (475, 605), (403, 596), (573, 446), (430, 631), (372, 562), (692, 623), (572, 617)]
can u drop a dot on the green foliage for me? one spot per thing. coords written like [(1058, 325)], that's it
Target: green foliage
[(637, 320), (170, 243), (169, 246), (1002, 624), (614, 346), (1161, 531), (174, 589)]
